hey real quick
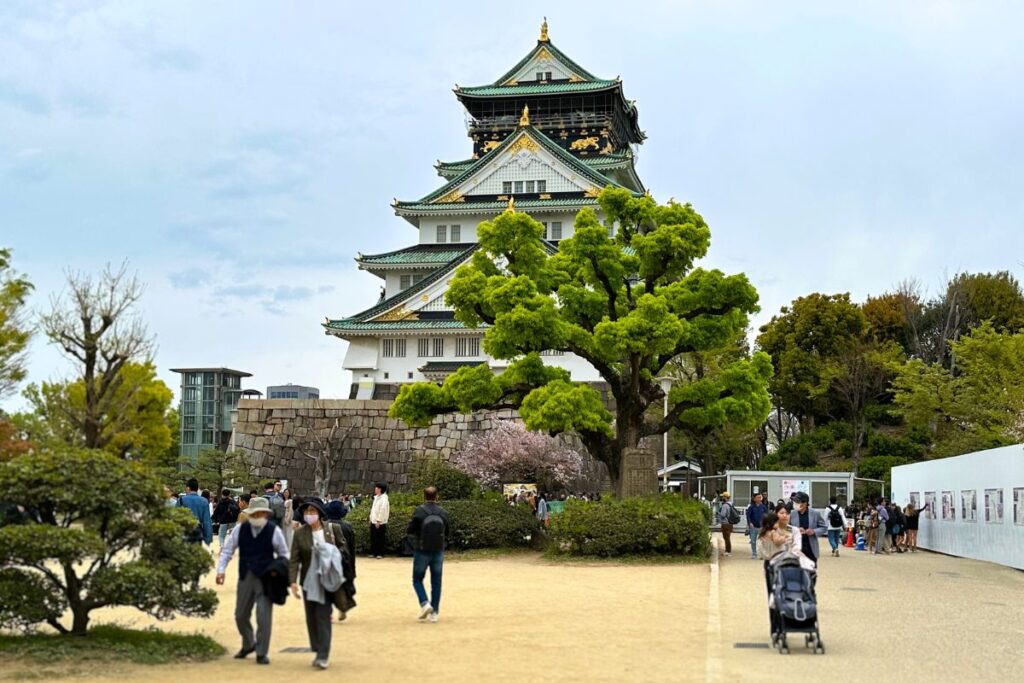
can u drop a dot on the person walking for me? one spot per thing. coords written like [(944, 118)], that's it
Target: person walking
[(754, 513), (542, 511), (379, 514), (200, 509), (430, 529), (316, 564), (259, 544), (727, 517), (336, 509), (836, 517), (225, 514), (811, 525), (288, 522), (883, 522)]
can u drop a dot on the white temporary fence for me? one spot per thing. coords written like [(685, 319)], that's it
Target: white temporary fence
[(976, 503)]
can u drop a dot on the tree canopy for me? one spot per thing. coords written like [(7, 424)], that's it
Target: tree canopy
[(626, 303), (14, 330), (102, 535)]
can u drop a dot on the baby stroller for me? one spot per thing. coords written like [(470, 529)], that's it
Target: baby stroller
[(794, 603)]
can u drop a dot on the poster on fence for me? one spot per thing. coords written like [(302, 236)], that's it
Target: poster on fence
[(791, 486), (994, 506), (929, 501)]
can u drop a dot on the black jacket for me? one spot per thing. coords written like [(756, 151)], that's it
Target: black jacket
[(275, 581)]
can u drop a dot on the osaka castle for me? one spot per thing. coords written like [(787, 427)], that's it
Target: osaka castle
[(547, 137)]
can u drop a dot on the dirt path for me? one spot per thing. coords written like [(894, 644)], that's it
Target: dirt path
[(502, 619)]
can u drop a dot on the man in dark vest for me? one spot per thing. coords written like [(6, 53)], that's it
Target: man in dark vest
[(259, 542)]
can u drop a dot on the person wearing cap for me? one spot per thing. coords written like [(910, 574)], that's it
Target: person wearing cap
[(259, 543), (727, 513), (754, 513), (309, 552), (811, 525)]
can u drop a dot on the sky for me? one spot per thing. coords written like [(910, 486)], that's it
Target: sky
[(239, 154)]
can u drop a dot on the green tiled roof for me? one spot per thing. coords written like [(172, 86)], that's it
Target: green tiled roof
[(450, 169), (394, 326), (404, 295), (556, 53), (432, 254), (535, 88), (426, 203), (497, 207)]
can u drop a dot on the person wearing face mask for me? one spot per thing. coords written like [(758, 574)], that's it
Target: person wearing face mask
[(316, 563), (259, 544)]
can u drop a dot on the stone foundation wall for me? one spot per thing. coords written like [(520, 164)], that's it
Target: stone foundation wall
[(273, 434)]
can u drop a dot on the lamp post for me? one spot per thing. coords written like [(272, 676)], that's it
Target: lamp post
[(666, 384)]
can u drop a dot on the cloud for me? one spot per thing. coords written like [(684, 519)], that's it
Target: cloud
[(174, 59), (30, 166), (84, 104), (248, 173), (24, 99), (191, 278), (243, 291)]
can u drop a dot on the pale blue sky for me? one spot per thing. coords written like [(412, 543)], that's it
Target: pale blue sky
[(240, 153)]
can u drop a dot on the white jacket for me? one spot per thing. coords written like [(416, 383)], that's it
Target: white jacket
[(381, 510)]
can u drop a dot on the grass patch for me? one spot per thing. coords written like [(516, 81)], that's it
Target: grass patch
[(487, 554), (112, 643)]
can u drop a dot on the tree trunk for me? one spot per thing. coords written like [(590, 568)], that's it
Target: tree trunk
[(80, 625)]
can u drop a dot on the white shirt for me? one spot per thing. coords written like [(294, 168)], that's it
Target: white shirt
[(318, 536), (842, 513), (381, 510), (280, 547)]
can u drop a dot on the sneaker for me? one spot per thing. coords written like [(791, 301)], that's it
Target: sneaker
[(425, 611), (320, 663), (433, 617), (753, 557), (727, 554)]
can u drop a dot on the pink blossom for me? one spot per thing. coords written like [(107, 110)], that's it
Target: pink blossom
[(510, 453)]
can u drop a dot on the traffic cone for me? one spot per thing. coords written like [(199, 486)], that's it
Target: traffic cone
[(849, 539)]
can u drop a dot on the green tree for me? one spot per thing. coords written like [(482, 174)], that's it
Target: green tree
[(627, 304), (980, 406), (135, 423), (107, 539), (216, 469), (992, 297), (14, 331), (805, 342)]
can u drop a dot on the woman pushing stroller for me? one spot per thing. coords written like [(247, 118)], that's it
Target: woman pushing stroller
[(779, 545)]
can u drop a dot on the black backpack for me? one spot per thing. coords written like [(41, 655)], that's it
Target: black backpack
[(834, 518), (733, 515), (432, 532)]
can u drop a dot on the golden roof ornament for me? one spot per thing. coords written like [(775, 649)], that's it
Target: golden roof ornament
[(524, 120), (511, 208), (544, 31)]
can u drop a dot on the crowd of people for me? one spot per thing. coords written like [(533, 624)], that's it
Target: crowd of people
[(304, 546)]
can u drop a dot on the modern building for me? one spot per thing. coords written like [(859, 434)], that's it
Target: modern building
[(293, 391), (208, 396), (547, 137)]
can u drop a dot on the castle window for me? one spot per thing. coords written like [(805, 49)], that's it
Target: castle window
[(506, 187), (456, 233), (393, 348), (403, 282), (518, 185), (530, 185), (542, 186), (552, 352), (442, 234), (467, 347)]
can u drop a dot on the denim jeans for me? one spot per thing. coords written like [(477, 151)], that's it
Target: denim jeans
[(834, 536), (225, 529), (752, 533), (880, 541), (420, 561)]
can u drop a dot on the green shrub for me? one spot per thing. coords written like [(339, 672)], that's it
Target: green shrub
[(475, 524), (451, 483), (879, 467), (114, 644), (651, 525), (897, 447)]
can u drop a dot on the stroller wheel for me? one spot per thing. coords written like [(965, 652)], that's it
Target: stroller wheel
[(820, 649)]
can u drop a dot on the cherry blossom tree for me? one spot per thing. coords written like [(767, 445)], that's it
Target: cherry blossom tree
[(511, 453)]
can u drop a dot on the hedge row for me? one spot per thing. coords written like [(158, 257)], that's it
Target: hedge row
[(475, 524), (651, 525)]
